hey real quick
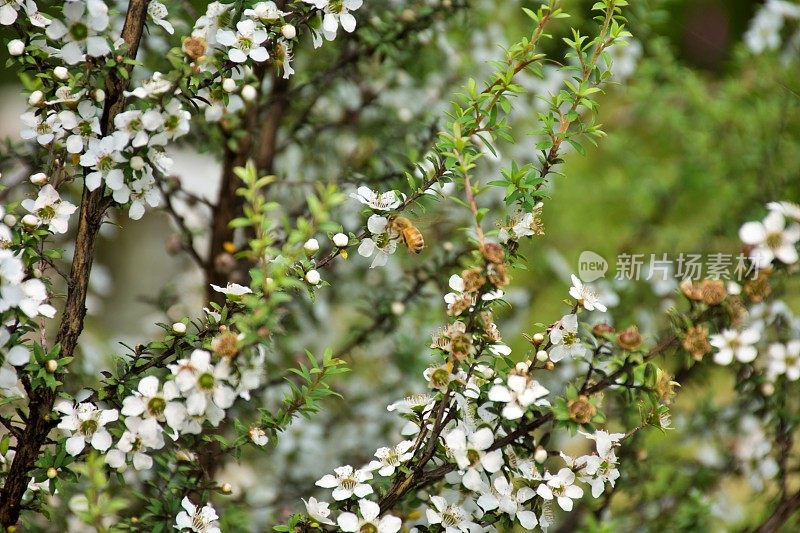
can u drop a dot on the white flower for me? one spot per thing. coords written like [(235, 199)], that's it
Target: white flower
[(734, 344), (524, 226), (284, 57), (176, 119), (79, 33), (565, 340), (787, 209), (232, 290), (147, 401), (142, 191), (598, 471), (456, 283), (17, 355), (103, 156), (28, 295), (470, 453), (784, 359), (136, 124), (139, 436), (381, 245), (8, 11), (84, 423), (380, 202), (43, 128), (771, 239), (205, 386), (604, 440), (586, 297), (501, 495), (347, 482), (258, 436), (370, 519), (216, 16), (246, 42), (50, 209), (194, 518), (764, 31), (319, 511), (453, 519), (337, 13), (158, 12), (265, 12), (156, 85), (518, 395), (390, 458), (84, 125), (561, 487)]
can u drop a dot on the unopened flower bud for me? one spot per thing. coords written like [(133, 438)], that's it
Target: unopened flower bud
[(311, 246), (538, 338), (99, 95), (398, 308), (40, 179), (228, 85), (341, 240), (51, 366), (629, 339), (137, 162), (52, 472), (179, 328), (540, 455), (521, 367), (61, 73), (601, 329), (249, 93), (768, 389), (581, 410), (313, 277), (289, 31), (542, 356), (549, 365), (30, 221), (184, 456), (9, 219), (226, 488), (16, 47), (36, 98)]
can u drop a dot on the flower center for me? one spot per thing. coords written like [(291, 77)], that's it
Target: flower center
[(473, 456), (105, 163), (368, 528), (440, 377), (348, 483), (156, 406), (46, 213), (451, 517), (774, 240), (79, 31), (245, 44), (206, 381), (88, 427)]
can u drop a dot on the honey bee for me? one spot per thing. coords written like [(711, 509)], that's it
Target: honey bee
[(412, 237)]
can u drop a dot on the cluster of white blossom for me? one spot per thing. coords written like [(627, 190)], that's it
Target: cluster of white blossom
[(771, 242), (498, 481)]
